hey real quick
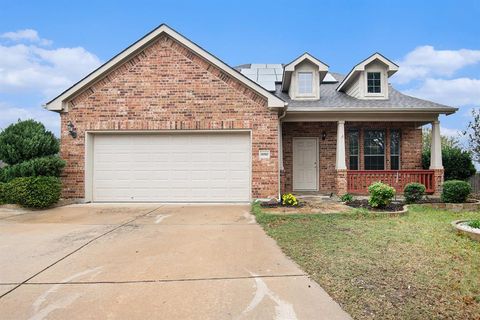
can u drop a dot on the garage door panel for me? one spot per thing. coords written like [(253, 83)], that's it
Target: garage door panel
[(172, 167)]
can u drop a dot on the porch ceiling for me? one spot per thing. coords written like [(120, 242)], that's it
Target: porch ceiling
[(421, 118)]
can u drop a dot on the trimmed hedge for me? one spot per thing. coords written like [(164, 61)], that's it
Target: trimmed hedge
[(414, 192), (26, 140), (455, 191), (381, 195), (32, 192), (45, 166)]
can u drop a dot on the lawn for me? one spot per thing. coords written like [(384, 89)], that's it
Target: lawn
[(383, 267)]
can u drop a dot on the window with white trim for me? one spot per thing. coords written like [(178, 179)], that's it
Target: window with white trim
[(374, 149), (395, 149), (374, 82), (354, 149), (305, 83)]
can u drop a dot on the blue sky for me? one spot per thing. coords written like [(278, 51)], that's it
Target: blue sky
[(47, 45)]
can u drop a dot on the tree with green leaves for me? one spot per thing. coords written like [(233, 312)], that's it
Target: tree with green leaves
[(26, 140), (473, 135)]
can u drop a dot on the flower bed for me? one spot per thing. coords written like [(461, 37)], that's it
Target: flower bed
[(462, 227)]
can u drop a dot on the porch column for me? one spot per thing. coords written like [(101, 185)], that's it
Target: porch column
[(340, 159), (436, 147), (340, 163), (436, 158)]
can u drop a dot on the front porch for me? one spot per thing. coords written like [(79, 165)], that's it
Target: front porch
[(347, 156)]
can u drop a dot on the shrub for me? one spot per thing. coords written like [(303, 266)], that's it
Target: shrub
[(3, 198), (455, 191), (457, 163), (414, 192), (16, 190), (381, 194), (44, 166), (347, 197), (474, 224), (26, 140), (289, 199), (33, 192)]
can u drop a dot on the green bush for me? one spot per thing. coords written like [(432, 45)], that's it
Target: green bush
[(289, 199), (381, 194), (3, 198), (455, 191), (33, 192), (44, 166), (414, 192), (347, 197), (16, 190), (26, 140), (474, 224), (457, 163)]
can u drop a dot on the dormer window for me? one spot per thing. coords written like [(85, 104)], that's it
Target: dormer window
[(305, 83), (374, 82)]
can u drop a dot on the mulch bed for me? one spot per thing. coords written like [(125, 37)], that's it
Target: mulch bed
[(392, 207)]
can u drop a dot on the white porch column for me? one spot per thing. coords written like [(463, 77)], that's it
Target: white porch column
[(436, 147), (340, 159)]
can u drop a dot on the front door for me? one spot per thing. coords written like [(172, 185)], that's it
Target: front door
[(305, 159)]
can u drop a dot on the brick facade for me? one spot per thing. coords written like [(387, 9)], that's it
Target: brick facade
[(330, 180), (168, 87)]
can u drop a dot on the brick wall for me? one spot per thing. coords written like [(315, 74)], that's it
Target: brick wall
[(410, 148), (168, 87)]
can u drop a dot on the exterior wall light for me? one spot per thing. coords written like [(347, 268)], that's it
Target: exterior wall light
[(71, 129), (324, 135)]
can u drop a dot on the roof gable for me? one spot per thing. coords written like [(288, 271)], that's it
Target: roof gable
[(289, 68), (59, 103), (391, 68)]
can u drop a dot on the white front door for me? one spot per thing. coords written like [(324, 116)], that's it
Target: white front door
[(305, 159)]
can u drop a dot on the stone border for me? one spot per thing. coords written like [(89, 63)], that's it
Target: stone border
[(455, 207), (461, 228)]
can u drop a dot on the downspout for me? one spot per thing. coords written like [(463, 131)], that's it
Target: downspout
[(280, 150)]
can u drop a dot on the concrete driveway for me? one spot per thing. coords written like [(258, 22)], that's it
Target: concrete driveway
[(137, 261)]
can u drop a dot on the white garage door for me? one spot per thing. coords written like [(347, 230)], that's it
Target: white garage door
[(182, 167)]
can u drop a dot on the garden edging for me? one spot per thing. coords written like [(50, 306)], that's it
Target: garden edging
[(468, 231)]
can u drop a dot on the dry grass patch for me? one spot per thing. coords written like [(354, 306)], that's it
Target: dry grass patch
[(383, 267)]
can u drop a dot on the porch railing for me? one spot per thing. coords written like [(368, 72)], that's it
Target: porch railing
[(359, 180)]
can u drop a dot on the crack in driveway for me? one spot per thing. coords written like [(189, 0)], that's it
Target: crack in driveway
[(78, 249)]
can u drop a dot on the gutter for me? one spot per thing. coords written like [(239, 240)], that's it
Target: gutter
[(280, 150)]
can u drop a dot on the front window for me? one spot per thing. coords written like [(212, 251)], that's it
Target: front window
[(373, 82), (353, 148), (395, 149), (305, 83), (374, 150)]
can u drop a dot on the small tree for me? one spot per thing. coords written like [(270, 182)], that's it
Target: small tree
[(26, 140), (445, 141), (473, 135), (457, 163)]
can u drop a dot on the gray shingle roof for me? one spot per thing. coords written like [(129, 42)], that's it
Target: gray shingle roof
[(331, 98)]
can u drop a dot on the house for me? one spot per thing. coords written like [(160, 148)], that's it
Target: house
[(165, 120)]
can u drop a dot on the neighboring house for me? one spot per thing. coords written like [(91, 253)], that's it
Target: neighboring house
[(165, 120)]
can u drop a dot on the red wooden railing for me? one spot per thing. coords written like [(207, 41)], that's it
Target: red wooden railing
[(359, 180)]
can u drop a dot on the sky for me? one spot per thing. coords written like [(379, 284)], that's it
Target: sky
[(46, 46)]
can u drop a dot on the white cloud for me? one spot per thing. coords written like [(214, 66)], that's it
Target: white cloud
[(11, 114), (454, 92), (454, 133), (33, 74), (29, 35), (30, 68), (426, 62)]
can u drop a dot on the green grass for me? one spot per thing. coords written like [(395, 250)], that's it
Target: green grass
[(382, 267)]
